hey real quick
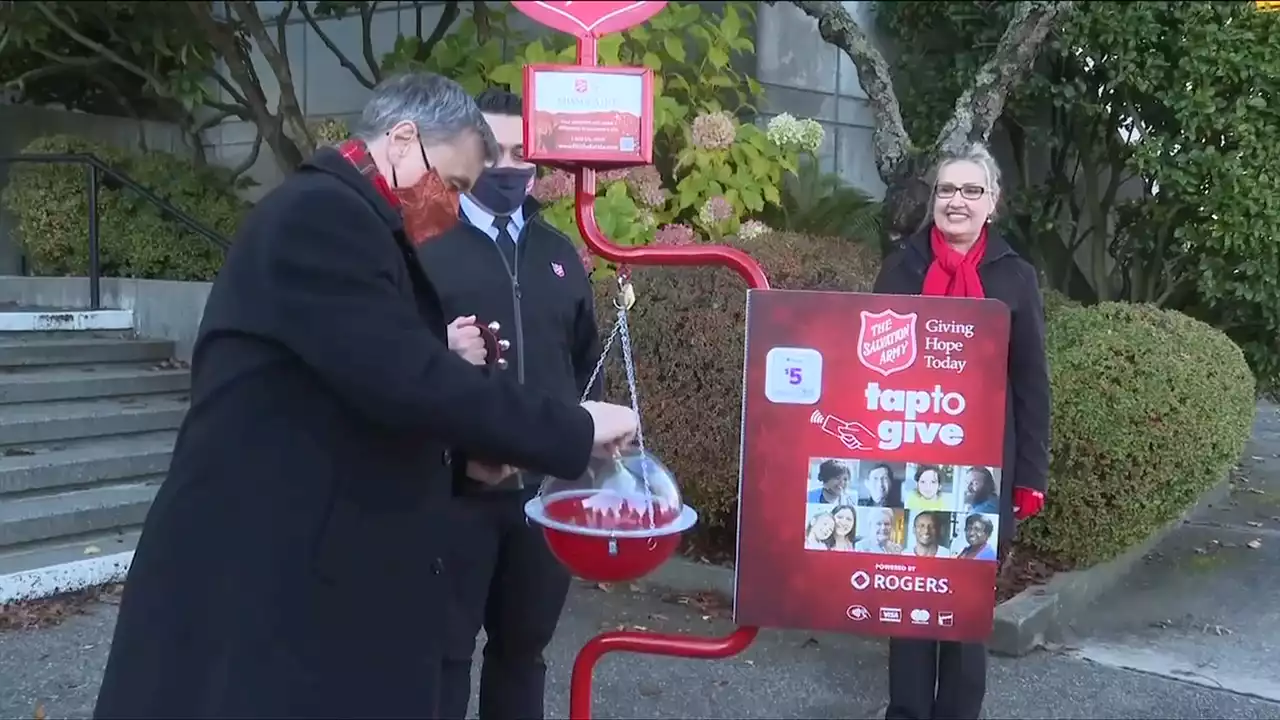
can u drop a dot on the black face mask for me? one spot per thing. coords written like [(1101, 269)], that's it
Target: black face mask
[(502, 190)]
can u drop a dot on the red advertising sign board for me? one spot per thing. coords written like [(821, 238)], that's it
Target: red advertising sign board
[(589, 19), (872, 445), (579, 115)]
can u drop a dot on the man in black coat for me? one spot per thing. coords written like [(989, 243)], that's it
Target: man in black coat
[(293, 564), (503, 263)]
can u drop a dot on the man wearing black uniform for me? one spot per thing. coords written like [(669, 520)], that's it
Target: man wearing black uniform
[(504, 264)]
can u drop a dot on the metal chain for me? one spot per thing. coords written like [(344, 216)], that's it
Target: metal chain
[(622, 331), (604, 355)]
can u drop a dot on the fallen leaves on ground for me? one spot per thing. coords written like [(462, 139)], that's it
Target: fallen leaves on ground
[(1022, 568), (708, 603), (51, 611)]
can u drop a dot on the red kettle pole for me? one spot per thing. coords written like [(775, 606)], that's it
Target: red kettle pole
[(648, 643)]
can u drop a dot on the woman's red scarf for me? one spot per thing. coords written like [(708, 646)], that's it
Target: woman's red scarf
[(951, 273)]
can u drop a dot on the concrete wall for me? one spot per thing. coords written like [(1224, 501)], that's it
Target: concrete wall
[(20, 124), (161, 309)]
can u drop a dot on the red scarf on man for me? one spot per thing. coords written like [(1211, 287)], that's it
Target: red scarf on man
[(951, 273), (357, 153)]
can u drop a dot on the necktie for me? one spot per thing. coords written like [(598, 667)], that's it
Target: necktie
[(506, 243)]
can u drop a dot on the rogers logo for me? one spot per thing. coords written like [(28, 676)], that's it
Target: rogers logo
[(857, 612), (861, 580)]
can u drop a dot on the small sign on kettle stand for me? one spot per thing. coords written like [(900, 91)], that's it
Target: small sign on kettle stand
[(595, 116)]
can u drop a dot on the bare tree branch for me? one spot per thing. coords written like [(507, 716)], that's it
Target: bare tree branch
[(979, 106), (333, 48), (59, 65), (244, 165), (448, 16), (230, 87), (480, 16), (234, 54), (160, 88), (366, 37), (289, 108), (837, 27)]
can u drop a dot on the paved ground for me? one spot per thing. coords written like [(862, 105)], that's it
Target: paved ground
[(1204, 606), (1187, 636)]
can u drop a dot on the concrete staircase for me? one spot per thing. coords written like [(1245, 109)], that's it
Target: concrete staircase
[(88, 418)]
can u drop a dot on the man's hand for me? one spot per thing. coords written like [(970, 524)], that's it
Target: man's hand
[(466, 340), (615, 426), (488, 474)]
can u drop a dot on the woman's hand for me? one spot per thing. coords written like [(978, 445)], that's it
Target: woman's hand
[(466, 340), (1027, 502)]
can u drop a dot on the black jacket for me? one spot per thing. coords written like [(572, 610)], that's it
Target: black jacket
[(1010, 279), (291, 564), (544, 304)]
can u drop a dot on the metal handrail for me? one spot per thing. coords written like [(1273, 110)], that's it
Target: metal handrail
[(95, 165)]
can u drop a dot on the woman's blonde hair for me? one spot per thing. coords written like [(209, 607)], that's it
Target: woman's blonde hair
[(976, 153)]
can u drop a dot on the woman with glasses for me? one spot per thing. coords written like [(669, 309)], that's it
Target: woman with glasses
[(958, 254)]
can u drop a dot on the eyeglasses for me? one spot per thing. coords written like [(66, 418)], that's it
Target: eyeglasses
[(968, 192)]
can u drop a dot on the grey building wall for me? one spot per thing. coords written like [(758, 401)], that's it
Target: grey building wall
[(806, 77)]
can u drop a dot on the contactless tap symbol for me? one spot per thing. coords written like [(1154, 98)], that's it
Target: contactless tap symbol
[(854, 435)]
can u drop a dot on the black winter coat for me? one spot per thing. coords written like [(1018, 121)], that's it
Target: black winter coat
[(544, 304), (291, 564), (1010, 279)]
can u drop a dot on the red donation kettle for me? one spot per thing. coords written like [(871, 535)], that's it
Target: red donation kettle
[(617, 522)]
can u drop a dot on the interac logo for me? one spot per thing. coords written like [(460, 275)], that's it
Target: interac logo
[(1268, 5)]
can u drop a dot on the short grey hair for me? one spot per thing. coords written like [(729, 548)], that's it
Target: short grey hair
[(438, 106), (979, 155)]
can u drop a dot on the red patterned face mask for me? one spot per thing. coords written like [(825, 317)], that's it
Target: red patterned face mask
[(429, 206)]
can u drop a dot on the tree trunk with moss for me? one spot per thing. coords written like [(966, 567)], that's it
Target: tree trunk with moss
[(904, 166)]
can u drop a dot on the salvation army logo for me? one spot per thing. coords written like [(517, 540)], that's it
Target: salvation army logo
[(887, 341), (860, 580), (558, 269), (580, 85)]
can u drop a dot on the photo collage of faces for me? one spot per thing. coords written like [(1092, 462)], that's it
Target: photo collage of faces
[(890, 508)]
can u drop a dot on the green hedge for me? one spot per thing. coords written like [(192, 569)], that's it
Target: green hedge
[(1150, 407), (50, 203)]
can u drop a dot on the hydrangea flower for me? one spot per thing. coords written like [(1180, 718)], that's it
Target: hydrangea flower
[(753, 229), (714, 131), (785, 130), (554, 186), (675, 234), (645, 184), (715, 211)]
